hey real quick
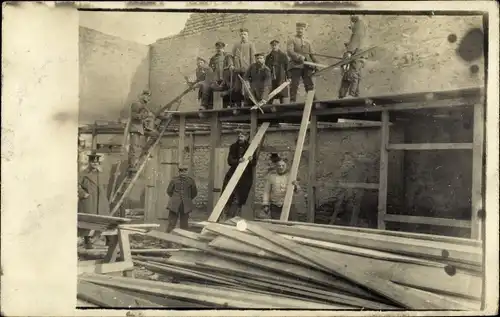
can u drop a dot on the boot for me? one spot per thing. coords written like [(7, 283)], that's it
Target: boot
[(87, 243)]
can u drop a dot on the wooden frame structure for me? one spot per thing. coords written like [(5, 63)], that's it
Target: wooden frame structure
[(385, 109), (381, 108)]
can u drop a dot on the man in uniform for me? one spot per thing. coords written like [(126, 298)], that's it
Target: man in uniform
[(243, 55), (202, 80), (300, 50), (142, 121), (277, 61), (235, 157), (351, 73), (259, 76), (181, 190), (221, 63), (92, 198), (275, 191)]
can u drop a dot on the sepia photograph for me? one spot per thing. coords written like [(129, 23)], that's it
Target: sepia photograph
[(283, 158)]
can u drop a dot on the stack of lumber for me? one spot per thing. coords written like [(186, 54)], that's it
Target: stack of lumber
[(246, 264), (99, 222)]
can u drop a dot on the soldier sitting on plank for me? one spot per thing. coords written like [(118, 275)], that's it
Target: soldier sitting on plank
[(202, 80)]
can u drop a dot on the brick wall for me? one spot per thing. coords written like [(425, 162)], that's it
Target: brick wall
[(417, 49), (112, 72)]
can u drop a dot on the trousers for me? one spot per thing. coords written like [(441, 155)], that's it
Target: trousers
[(174, 216), (275, 212), (135, 149), (296, 74)]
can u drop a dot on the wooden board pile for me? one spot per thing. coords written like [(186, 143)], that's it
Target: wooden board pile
[(246, 264)]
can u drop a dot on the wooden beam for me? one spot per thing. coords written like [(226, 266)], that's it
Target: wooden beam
[(215, 136), (311, 185), (247, 211), (217, 210), (191, 154), (428, 221), (373, 186), (165, 173), (285, 211), (104, 268), (181, 140), (151, 187), (125, 254), (430, 146), (383, 170), (477, 172)]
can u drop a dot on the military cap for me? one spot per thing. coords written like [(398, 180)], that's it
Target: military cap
[(274, 41), (259, 54), (201, 59), (182, 167), (354, 18), (146, 92), (274, 157), (243, 30), (220, 44), (300, 24), (94, 157)]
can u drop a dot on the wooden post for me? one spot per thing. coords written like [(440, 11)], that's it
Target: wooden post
[(215, 137), (247, 211), (311, 195), (477, 171), (167, 169), (151, 188), (94, 137), (181, 140), (191, 154), (296, 158), (383, 170)]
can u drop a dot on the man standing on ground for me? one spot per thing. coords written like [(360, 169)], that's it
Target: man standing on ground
[(259, 76), (243, 55), (181, 190), (277, 61), (351, 73), (275, 191), (92, 198), (235, 157), (142, 123), (300, 50)]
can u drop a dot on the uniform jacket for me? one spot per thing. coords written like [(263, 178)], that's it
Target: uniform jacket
[(260, 80), (138, 114), (357, 37), (204, 75), (97, 203), (297, 47), (277, 61), (243, 54), (181, 189), (236, 152), (220, 63)]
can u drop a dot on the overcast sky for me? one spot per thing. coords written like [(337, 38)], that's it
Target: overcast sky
[(141, 27)]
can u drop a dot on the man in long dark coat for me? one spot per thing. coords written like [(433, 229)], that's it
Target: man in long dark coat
[(181, 190), (351, 73), (277, 61), (92, 196), (235, 157)]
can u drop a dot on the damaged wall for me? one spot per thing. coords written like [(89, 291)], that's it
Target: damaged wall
[(113, 71), (416, 49)]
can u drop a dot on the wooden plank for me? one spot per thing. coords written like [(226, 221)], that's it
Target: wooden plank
[(430, 146), (383, 170), (104, 268), (285, 211), (421, 236), (109, 297), (165, 174), (311, 197), (477, 172), (91, 218), (371, 186), (247, 211), (125, 254), (428, 221), (207, 294), (191, 154), (215, 139), (217, 210), (221, 168), (181, 140), (405, 246), (399, 294)]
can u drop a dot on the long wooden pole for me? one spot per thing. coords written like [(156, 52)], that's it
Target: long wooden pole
[(383, 171), (285, 211)]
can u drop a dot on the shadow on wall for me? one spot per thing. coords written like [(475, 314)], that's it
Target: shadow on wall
[(137, 85)]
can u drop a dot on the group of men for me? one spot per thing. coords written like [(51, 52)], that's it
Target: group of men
[(266, 72)]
